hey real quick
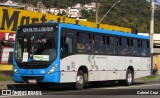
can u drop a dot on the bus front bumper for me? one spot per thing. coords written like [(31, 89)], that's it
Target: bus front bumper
[(51, 78)]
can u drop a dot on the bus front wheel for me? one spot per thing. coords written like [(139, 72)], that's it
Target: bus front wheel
[(80, 80)]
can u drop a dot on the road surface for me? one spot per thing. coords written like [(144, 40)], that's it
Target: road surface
[(141, 89)]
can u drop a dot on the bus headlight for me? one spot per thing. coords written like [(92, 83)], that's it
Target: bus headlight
[(52, 69), (15, 70)]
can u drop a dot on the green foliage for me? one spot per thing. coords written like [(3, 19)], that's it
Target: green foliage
[(134, 14), (152, 77), (4, 77), (127, 13)]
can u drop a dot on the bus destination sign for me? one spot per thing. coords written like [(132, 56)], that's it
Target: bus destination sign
[(37, 29)]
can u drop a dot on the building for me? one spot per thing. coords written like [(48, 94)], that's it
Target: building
[(40, 6), (56, 11), (156, 49), (73, 12), (91, 6), (12, 4)]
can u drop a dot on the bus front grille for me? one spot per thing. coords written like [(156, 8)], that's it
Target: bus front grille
[(38, 78), (26, 65)]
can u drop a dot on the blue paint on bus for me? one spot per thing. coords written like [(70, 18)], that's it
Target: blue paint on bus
[(102, 31), (55, 76)]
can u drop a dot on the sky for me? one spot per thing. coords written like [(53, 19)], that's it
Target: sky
[(156, 0)]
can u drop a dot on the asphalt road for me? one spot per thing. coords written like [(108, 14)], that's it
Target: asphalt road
[(110, 90)]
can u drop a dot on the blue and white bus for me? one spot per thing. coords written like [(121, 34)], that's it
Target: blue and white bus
[(53, 52)]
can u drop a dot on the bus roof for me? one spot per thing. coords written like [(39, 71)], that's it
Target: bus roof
[(97, 30), (89, 29)]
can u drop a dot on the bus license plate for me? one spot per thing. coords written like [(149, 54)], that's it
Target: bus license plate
[(33, 81)]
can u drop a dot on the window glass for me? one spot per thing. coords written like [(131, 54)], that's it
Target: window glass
[(112, 41), (111, 45), (99, 44), (148, 49), (144, 44), (66, 44), (131, 42), (135, 43), (107, 40), (124, 41), (69, 44), (144, 48), (139, 43), (36, 47), (83, 42), (148, 44)]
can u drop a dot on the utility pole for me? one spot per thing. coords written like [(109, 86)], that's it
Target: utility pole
[(152, 30), (97, 8), (108, 11)]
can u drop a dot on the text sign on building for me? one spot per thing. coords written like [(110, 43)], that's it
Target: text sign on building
[(12, 18)]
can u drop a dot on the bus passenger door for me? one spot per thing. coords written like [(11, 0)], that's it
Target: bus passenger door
[(67, 43), (67, 49)]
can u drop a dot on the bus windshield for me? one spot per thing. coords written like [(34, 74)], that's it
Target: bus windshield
[(35, 47)]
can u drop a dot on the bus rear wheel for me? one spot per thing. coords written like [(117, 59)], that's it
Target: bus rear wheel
[(80, 80), (129, 78)]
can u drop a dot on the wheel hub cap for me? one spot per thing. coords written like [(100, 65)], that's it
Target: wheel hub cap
[(79, 79), (129, 78)]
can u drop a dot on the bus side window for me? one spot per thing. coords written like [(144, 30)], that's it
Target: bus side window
[(112, 45), (108, 45), (148, 49), (135, 48), (66, 45), (80, 45), (83, 42), (99, 44), (124, 48), (144, 48), (139, 43)]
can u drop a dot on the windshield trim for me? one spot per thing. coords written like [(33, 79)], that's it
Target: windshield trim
[(55, 35)]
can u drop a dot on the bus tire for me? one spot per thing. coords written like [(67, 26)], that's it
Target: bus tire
[(80, 80), (129, 78), (86, 85)]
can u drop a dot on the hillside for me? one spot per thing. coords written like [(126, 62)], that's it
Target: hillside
[(128, 13), (134, 14)]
